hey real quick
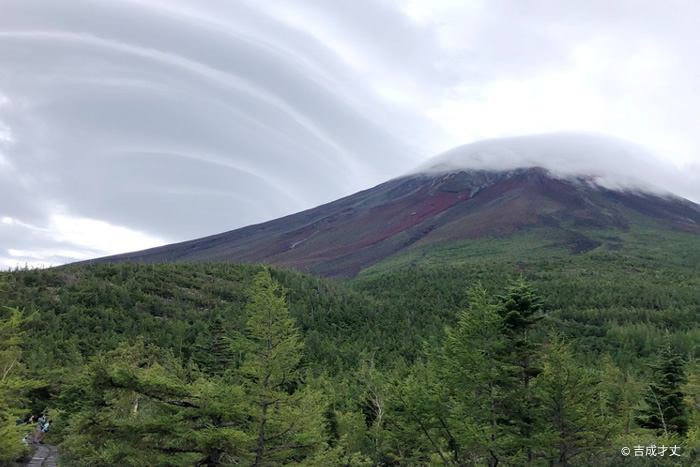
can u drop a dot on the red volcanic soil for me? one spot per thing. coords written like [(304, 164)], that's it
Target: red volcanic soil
[(341, 238), (402, 215)]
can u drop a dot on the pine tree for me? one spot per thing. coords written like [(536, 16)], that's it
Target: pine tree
[(214, 352), (572, 428), (420, 411), (478, 376), (488, 363), (520, 309), (665, 409), (287, 417)]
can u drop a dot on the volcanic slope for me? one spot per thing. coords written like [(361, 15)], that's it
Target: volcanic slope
[(532, 208)]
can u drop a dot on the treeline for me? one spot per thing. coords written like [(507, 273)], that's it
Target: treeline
[(221, 365)]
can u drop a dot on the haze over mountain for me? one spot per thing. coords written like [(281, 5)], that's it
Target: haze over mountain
[(496, 188)]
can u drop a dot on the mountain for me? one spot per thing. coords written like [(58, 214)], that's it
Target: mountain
[(443, 203)]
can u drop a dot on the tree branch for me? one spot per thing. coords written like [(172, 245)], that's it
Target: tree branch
[(177, 403)]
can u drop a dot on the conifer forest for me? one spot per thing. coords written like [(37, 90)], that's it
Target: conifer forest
[(551, 362)]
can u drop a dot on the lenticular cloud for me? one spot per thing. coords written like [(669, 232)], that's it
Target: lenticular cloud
[(612, 162), (172, 118)]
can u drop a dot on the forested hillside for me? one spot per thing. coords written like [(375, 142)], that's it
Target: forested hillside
[(557, 361)]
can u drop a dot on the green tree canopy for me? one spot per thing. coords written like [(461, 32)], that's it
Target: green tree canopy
[(665, 409)]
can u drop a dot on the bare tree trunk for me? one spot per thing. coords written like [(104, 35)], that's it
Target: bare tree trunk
[(661, 412)]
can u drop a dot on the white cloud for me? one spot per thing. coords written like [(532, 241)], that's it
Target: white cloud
[(612, 162), (99, 235), (181, 119), (69, 238)]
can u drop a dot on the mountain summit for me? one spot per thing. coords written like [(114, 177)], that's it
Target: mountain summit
[(444, 203), (612, 162)]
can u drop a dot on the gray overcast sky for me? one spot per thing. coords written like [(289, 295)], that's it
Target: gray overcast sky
[(127, 124)]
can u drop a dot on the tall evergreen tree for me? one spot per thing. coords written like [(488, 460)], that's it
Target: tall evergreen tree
[(521, 308), (287, 418), (572, 429), (665, 409), (213, 351), (478, 375), (421, 409)]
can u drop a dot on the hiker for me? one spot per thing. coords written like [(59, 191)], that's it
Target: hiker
[(37, 433), (44, 428), (39, 426)]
